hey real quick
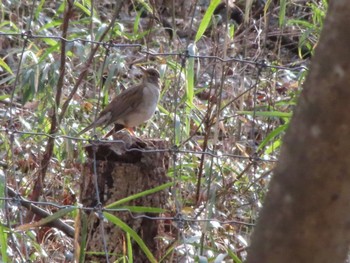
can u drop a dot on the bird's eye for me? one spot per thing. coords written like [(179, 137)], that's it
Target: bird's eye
[(154, 74)]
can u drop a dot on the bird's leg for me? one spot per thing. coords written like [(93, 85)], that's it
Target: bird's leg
[(131, 131), (117, 127)]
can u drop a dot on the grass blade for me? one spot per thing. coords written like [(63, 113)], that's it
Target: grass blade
[(206, 19)]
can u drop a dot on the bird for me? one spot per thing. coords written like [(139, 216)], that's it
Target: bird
[(131, 107)]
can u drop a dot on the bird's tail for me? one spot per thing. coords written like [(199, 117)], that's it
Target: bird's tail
[(92, 125), (102, 120)]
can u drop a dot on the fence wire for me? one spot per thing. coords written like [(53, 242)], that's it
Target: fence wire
[(177, 151)]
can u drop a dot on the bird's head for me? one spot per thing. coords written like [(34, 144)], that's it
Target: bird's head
[(150, 75)]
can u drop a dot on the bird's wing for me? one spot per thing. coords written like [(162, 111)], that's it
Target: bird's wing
[(98, 122), (122, 104)]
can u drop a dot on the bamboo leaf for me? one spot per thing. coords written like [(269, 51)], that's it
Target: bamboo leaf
[(272, 135), (4, 65), (82, 8), (142, 209), (276, 144), (282, 13), (129, 246), (3, 244), (115, 220), (83, 236), (138, 195), (206, 19), (279, 114), (59, 214), (190, 75)]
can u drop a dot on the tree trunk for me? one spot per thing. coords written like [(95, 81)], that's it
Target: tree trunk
[(122, 172), (306, 214)]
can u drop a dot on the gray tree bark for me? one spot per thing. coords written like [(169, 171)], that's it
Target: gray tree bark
[(306, 214)]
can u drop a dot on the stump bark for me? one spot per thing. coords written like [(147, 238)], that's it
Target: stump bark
[(124, 168)]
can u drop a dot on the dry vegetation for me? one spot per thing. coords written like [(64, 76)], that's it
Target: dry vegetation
[(226, 101)]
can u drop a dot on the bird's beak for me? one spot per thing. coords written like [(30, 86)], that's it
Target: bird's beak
[(143, 69)]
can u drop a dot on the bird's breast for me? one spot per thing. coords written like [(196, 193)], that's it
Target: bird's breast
[(146, 108)]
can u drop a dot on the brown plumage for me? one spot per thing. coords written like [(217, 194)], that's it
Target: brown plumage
[(133, 106)]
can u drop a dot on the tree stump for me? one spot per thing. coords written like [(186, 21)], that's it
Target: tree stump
[(124, 168)]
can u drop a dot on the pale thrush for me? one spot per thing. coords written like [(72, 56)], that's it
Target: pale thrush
[(131, 107)]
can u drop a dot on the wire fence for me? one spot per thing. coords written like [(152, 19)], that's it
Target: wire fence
[(10, 132)]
